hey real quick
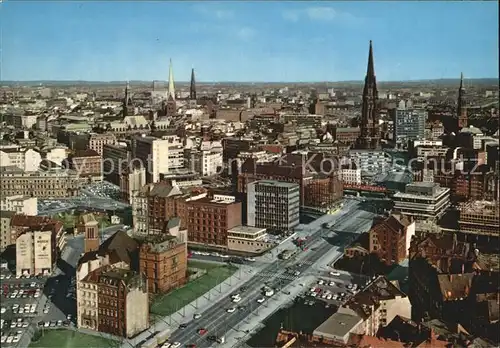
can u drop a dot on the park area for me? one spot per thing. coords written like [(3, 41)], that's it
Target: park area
[(69, 220), (70, 339), (173, 301)]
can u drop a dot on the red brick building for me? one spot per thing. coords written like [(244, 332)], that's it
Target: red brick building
[(317, 175), (208, 221), (163, 259), (123, 304), (88, 163), (390, 239)]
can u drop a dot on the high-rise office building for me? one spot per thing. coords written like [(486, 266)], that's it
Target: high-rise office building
[(409, 124), (273, 205)]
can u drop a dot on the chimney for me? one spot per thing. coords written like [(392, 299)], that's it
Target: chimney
[(451, 277)]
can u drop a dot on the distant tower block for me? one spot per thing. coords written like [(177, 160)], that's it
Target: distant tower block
[(89, 227)]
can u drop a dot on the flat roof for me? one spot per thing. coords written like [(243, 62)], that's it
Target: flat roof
[(440, 191), (277, 183), (246, 229), (423, 184), (338, 325)]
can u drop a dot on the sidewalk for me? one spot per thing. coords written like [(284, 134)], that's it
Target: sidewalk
[(248, 327), (197, 306)]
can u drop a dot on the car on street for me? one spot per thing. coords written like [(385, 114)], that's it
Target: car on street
[(183, 326), (202, 331), (261, 300), (197, 316), (335, 274), (231, 310), (175, 345), (236, 299)]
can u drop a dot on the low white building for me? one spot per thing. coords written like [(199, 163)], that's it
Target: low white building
[(26, 159), (20, 204), (208, 159), (350, 176)]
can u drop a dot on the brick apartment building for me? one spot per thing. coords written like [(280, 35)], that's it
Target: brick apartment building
[(121, 301), (163, 259), (390, 238), (87, 163), (210, 219), (321, 189)]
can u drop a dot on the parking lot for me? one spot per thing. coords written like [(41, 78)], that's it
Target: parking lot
[(28, 303), (334, 289), (22, 302)]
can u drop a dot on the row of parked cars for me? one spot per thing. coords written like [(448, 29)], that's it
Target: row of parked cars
[(21, 293), (15, 323), (54, 323), (12, 338)]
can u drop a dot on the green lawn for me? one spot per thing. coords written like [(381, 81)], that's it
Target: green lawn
[(71, 339), (69, 220), (203, 265), (173, 301)]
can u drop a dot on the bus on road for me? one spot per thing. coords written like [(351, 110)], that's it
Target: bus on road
[(286, 254)]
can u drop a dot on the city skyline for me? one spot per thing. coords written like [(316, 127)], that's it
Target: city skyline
[(245, 42)]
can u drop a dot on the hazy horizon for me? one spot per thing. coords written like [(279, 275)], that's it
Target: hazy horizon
[(247, 41)]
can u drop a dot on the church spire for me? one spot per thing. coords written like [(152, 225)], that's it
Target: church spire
[(192, 88), (125, 100), (171, 87), (126, 93), (370, 70), (369, 134), (461, 106)]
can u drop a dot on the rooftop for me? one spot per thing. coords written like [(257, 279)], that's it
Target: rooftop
[(246, 230), (277, 183), (339, 324), (480, 207), (7, 213)]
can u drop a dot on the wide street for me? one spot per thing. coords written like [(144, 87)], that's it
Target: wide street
[(218, 321), (268, 268)]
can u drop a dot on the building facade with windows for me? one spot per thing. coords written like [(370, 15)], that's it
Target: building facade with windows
[(273, 205), (423, 201)]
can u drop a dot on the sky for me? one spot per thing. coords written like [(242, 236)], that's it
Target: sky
[(247, 41)]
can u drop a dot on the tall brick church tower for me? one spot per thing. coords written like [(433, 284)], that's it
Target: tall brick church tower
[(461, 106), (369, 137), (89, 227)]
